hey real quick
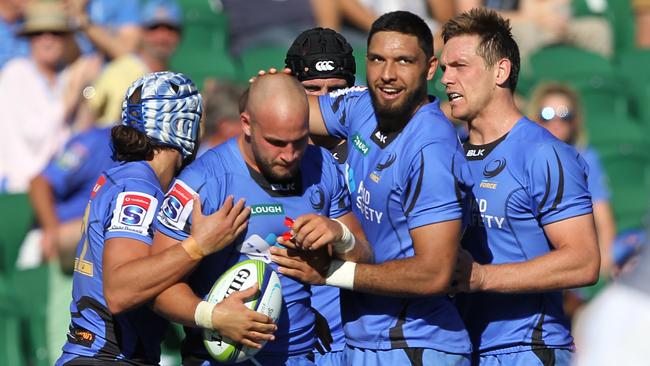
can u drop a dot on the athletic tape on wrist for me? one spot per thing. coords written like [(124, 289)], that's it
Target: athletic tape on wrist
[(203, 314), (341, 274), (192, 248), (347, 241)]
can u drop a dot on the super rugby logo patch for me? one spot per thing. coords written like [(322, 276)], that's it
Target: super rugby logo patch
[(177, 206), (134, 212)]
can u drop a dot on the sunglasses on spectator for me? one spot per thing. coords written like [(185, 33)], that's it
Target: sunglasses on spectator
[(562, 113), (54, 33)]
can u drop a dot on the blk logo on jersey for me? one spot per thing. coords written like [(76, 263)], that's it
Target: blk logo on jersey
[(134, 209), (474, 153), (493, 168)]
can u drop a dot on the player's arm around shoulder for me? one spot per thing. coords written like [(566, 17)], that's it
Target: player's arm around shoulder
[(135, 273)]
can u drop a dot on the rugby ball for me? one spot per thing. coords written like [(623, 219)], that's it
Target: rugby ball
[(268, 301)]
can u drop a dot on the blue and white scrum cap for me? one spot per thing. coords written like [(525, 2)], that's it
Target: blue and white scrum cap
[(167, 107)]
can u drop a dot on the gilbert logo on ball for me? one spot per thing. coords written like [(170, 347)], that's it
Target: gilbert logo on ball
[(239, 277)]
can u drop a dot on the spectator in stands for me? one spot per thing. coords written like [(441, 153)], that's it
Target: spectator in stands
[(538, 23), (221, 113), (11, 20), (557, 107), (59, 194), (31, 98), (110, 27), (642, 15), (254, 23), (162, 26)]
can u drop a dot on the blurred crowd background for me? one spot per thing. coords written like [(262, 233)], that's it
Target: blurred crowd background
[(65, 66)]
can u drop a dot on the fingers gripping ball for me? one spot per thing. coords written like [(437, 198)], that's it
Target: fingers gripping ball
[(268, 302)]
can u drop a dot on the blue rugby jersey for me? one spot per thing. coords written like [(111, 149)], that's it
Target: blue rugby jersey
[(222, 171), (72, 173), (123, 204), (399, 182), (523, 181)]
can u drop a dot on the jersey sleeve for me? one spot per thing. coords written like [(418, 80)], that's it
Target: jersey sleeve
[(339, 108), (175, 215), (558, 183), (434, 189), (133, 210)]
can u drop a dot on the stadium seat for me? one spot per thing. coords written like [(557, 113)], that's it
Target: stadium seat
[(569, 63), (260, 58), (633, 69), (360, 60), (16, 218), (203, 51)]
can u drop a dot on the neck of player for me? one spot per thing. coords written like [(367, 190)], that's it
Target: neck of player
[(166, 163), (496, 119)]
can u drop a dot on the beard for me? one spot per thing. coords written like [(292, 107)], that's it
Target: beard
[(266, 168), (394, 118)]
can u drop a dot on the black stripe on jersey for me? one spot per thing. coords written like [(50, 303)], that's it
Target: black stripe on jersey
[(110, 350), (544, 354), (560, 184), (396, 333), (337, 103), (342, 119), (547, 189), (415, 355), (418, 186)]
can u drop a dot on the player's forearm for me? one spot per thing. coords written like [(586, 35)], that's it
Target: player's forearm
[(362, 253), (404, 277), (316, 122), (140, 280), (559, 269), (177, 304), (42, 200)]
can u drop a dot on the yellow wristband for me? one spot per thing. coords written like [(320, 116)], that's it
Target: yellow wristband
[(192, 248)]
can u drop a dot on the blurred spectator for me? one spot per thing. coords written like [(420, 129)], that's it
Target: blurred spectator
[(31, 98), (221, 113), (11, 21), (557, 107), (162, 25), (642, 14), (434, 12), (254, 23), (613, 327), (538, 23), (59, 194), (110, 27)]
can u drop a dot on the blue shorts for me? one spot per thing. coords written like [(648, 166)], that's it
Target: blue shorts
[(334, 358), (262, 359), (403, 356), (541, 357)]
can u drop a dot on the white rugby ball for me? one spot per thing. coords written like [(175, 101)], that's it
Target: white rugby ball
[(269, 302)]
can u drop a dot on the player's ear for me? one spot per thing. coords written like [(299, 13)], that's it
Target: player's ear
[(503, 69), (245, 119)]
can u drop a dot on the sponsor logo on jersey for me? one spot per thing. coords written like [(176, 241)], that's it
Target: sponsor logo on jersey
[(386, 162), (374, 177), (363, 202), (356, 88), (488, 185), (493, 168), (134, 209), (324, 65), (133, 212), (481, 218), (267, 209), (317, 198), (475, 153), (81, 336), (177, 199), (100, 182), (360, 145), (283, 187)]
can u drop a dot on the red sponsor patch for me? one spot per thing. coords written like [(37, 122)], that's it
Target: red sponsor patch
[(137, 200), (181, 194), (100, 182)]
